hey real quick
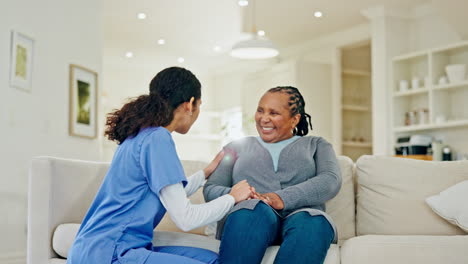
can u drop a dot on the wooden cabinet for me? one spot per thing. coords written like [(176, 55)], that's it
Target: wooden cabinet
[(356, 96), (433, 104)]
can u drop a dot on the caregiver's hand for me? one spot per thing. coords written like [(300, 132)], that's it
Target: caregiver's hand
[(241, 191), (213, 164)]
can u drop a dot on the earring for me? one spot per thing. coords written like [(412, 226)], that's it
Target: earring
[(190, 113)]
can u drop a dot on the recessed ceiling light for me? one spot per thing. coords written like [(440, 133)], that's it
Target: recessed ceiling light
[(161, 42), (318, 14), (181, 60), (217, 48), (243, 2), (129, 54), (141, 15), (261, 33)]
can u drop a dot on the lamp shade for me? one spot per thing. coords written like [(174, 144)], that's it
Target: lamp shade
[(254, 48)]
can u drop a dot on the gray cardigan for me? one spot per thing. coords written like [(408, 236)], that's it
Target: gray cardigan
[(308, 175)]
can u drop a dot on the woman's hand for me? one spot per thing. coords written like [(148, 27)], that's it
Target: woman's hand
[(271, 199), (274, 200), (241, 191), (213, 164)]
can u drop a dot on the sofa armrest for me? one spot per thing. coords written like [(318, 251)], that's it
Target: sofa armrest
[(39, 237), (60, 191)]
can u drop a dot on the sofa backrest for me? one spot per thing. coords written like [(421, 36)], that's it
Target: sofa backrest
[(391, 195), (342, 207)]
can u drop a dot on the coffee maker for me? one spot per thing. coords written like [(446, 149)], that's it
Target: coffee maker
[(413, 145)]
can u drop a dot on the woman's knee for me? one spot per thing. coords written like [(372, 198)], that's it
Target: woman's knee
[(261, 214), (305, 227), (261, 221)]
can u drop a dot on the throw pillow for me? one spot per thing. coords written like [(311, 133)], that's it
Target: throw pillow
[(451, 204), (64, 236)]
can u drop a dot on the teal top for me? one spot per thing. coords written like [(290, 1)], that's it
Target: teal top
[(275, 148)]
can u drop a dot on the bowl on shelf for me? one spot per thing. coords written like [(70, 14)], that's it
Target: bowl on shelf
[(456, 72)]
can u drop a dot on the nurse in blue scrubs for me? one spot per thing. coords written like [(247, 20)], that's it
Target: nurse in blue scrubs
[(146, 179)]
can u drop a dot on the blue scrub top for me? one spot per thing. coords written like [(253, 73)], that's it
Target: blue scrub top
[(120, 222)]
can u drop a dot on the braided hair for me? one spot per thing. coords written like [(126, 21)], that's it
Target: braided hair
[(296, 106)]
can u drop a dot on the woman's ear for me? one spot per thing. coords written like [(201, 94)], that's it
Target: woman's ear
[(189, 105), (295, 120)]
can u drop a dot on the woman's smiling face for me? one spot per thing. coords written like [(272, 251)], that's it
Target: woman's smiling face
[(273, 117)]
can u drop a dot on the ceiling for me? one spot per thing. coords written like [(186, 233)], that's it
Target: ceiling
[(192, 28)]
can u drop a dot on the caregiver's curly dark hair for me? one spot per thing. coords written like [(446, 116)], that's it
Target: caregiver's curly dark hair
[(168, 89)]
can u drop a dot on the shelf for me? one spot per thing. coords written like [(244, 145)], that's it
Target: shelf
[(411, 92), (413, 128), (442, 101), (451, 85), (360, 73), (356, 97), (356, 108), (448, 124), (410, 56), (463, 44), (355, 144), (418, 157)]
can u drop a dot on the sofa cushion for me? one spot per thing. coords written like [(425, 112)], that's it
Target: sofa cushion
[(371, 249), (392, 191), (342, 207), (333, 255), (451, 205), (162, 238), (57, 261), (165, 238), (63, 238)]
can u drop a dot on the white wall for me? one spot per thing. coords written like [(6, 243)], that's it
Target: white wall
[(428, 29), (128, 78), (36, 123), (314, 82)]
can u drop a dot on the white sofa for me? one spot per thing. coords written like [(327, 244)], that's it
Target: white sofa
[(380, 211)]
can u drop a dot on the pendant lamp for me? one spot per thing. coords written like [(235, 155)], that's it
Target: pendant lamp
[(256, 47)]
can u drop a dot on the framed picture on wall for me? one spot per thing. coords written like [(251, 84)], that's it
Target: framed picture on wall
[(22, 53), (83, 102)]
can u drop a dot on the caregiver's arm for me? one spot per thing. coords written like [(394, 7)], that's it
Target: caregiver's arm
[(198, 179), (188, 216), (220, 181)]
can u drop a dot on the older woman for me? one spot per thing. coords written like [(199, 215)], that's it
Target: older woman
[(292, 176)]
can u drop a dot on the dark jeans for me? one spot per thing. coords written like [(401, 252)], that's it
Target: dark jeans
[(247, 234)]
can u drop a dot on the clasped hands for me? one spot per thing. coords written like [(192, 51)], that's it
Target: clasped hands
[(271, 198), (243, 191)]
